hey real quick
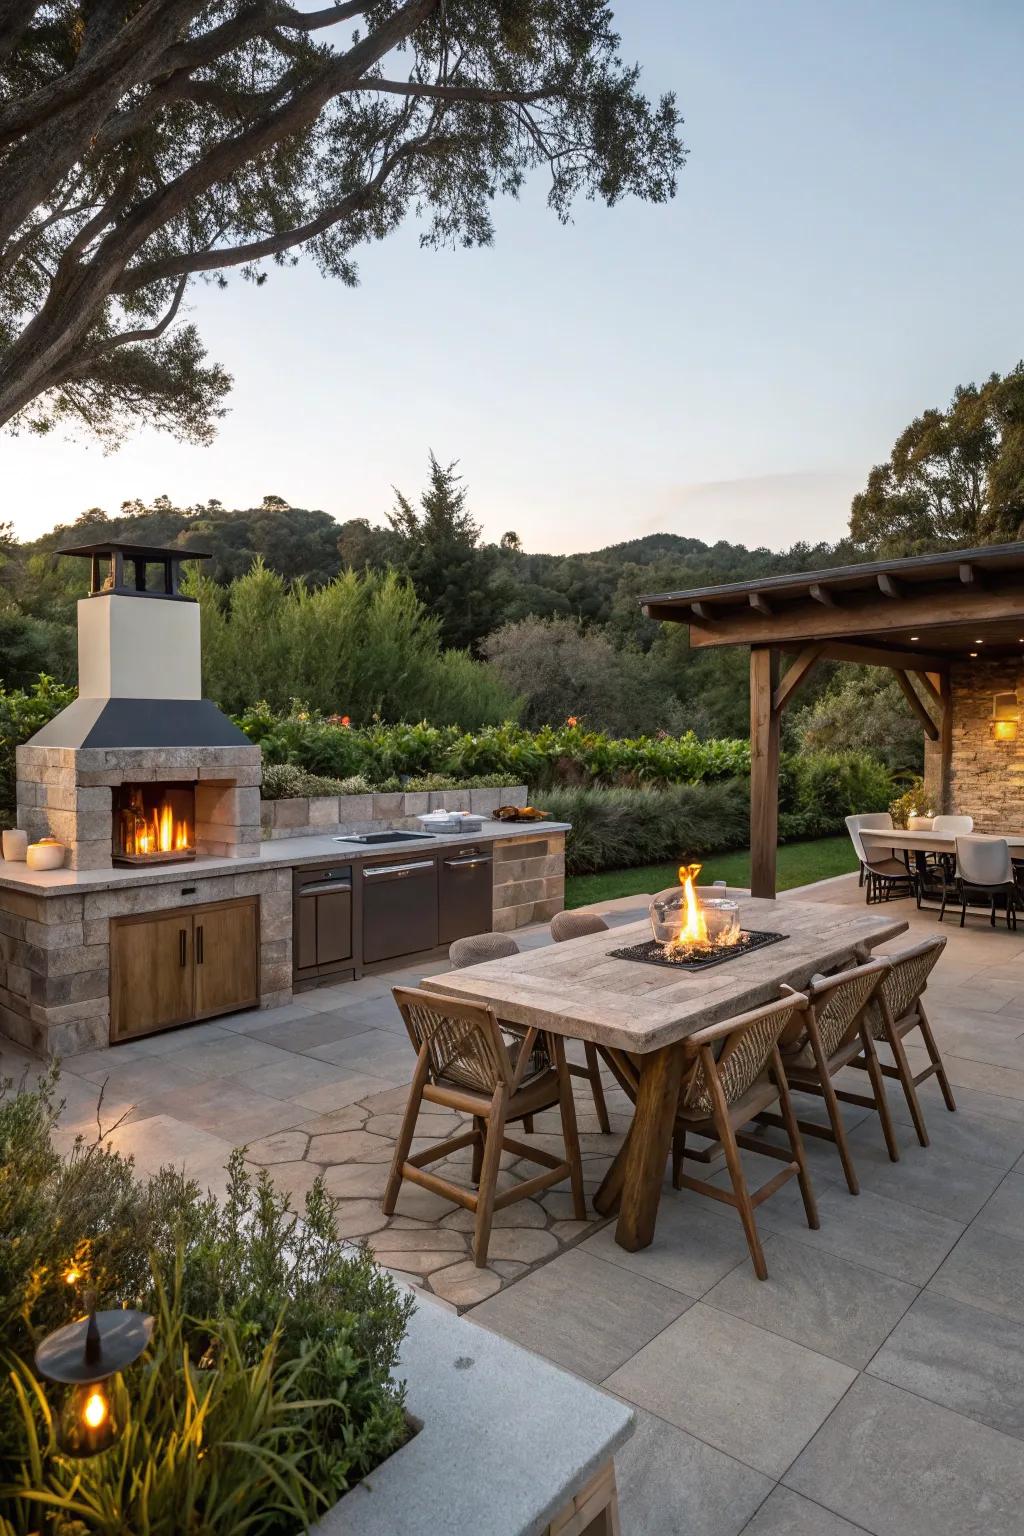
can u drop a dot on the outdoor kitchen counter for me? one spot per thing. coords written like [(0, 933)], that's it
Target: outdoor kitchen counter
[(283, 853)]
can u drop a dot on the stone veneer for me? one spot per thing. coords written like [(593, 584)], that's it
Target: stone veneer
[(986, 777), (55, 951), (323, 815), (66, 792), (529, 879)]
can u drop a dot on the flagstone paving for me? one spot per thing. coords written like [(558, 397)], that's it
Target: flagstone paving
[(871, 1384)]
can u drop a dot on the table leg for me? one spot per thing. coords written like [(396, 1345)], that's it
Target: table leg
[(649, 1145)]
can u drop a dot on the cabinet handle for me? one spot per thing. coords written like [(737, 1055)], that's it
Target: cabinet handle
[(182, 946), (199, 944)]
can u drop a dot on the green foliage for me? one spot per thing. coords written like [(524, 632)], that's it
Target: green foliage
[(560, 669), (863, 710), (440, 552), (914, 801), (798, 864), (22, 713), (283, 780), (266, 1392), (619, 828), (953, 477), (361, 646)]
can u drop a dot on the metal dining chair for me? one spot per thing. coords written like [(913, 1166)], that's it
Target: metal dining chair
[(884, 874), (874, 821), (830, 1034), (566, 926), (936, 872), (465, 1063), (985, 870), (895, 1010), (953, 826)]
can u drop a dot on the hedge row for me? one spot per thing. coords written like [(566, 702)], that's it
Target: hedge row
[(567, 754)]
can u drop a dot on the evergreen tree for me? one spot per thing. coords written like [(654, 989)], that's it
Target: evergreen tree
[(443, 558)]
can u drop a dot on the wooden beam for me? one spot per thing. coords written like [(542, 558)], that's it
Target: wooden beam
[(933, 690), (919, 610), (760, 604), (823, 595), (883, 656), (970, 576), (946, 746), (699, 611), (796, 675), (889, 586), (913, 698), (764, 771)]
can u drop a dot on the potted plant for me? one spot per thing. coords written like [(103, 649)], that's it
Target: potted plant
[(912, 809)]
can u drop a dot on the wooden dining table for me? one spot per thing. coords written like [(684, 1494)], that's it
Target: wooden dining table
[(581, 991)]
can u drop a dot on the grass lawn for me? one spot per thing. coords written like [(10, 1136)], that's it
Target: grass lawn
[(799, 864)]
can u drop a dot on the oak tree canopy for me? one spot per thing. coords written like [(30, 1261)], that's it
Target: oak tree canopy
[(149, 144)]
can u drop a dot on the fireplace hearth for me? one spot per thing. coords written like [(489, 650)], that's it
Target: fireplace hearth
[(154, 823)]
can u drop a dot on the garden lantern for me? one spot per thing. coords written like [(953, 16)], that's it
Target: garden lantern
[(88, 1355)]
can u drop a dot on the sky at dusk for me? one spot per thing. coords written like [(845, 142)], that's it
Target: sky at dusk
[(844, 249)]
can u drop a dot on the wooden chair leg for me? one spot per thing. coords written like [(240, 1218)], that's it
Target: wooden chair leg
[(597, 1087), (727, 1138), (406, 1134), (934, 1057), (489, 1175), (480, 1130), (528, 1124), (678, 1153), (570, 1135), (877, 1081), (796, 1145), (835, 1116), (907, 1083)]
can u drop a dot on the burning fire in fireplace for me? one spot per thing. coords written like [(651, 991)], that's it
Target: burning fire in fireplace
[(154, 823)]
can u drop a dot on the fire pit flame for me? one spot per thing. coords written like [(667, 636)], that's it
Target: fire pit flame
[(689, 926), (693, 933)]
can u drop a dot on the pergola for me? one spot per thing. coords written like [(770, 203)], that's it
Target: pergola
[(919, 616)]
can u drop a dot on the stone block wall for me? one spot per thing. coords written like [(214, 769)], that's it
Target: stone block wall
[(986, 777), (55, 952), (529, 880), (326, 815), (67, 792)]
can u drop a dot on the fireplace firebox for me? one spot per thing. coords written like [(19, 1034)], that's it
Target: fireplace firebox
[(154, 823)]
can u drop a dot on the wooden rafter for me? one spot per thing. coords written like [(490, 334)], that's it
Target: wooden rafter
[(796, 675), (913, 698)]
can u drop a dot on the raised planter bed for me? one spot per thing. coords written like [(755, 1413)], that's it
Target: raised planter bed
[(510, 1445), (325, 815)]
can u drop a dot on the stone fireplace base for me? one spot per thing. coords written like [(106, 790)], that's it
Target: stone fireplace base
[(66, 792)]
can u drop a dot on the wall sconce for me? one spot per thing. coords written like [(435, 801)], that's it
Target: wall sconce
[(88, 1356), (1005, 717)]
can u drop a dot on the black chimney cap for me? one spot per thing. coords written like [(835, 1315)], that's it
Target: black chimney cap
[(139, 556)]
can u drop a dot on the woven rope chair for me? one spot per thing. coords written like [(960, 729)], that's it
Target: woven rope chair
[(720, 1095), (477, 949), (831, 1034), (896, 1009), (578, 925), (465, 1063)]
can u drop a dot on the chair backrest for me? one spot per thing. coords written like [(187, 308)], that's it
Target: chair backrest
[(874, 821), (479, 947), (906, 975), (984, 860), (576, 925), (953, 826), (464, 1043), (747, 1043), (837, 1002)]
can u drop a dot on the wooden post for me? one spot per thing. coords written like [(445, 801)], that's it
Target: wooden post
[(764, 770), (946, 745)]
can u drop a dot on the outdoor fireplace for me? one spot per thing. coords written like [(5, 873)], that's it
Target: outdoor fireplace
[(154, 823), (695, 928)]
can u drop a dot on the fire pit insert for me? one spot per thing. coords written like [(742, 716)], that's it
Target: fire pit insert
[(692, 959), (154, 823)]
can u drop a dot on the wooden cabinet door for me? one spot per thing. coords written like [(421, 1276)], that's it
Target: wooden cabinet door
[(226, 956), (151, 973)]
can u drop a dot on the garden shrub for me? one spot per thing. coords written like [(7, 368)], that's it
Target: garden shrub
[(287, 1334), (622, 828), (23, 712)]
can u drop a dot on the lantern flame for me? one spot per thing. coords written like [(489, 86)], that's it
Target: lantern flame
[(95, 1411)]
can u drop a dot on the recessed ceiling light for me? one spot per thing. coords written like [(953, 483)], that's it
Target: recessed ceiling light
[(915, 637), (979, 642), (973, 655)]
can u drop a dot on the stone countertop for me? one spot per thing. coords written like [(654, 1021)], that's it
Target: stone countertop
[(282, 853), (507, 1438)]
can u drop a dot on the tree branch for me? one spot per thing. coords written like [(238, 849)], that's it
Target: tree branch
[(453, 93)]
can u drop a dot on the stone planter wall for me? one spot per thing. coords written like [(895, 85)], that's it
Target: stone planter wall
[(324, 815), (986, 778)]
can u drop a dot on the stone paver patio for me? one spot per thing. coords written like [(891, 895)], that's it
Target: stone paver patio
[(874, 1383)]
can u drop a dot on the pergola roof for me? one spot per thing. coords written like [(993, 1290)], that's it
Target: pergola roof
[(920, 612)]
